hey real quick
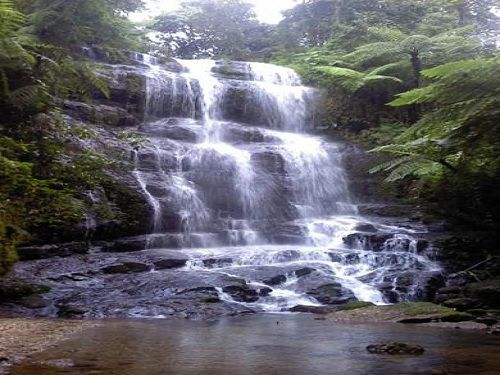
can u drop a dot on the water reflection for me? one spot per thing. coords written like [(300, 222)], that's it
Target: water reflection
[(258, 345)]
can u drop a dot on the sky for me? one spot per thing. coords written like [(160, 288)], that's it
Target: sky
[(268, 11)]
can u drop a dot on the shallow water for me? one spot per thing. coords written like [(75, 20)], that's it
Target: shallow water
[(256, 344)]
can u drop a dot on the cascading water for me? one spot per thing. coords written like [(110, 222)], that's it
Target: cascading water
[(240, 187)]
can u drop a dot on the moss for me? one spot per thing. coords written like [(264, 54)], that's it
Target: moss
[(420, 308), (354, 305)]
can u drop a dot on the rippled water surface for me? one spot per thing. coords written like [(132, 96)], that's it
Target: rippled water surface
[(259, 345)]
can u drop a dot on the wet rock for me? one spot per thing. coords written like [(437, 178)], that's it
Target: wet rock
[(217, 262), (237, 135), (364, 227), (169, 264), (395, 348), (210, 300), (304, 271), (264, 292), (363, 241), (271, 162), (332, 294), (203, 289), (127, 267), (275, 280), (242, 293), (50, 251), (177, 133)]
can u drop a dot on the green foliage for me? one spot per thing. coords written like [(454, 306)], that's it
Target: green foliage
[(210, 28), (352, 81), (43, 171), (457, 139)]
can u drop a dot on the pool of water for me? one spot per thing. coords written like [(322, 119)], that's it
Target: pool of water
[(263, 344)]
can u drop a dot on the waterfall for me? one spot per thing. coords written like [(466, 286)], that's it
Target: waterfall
[(233, 174)]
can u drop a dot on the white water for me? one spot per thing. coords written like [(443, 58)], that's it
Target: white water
[(263, 201)]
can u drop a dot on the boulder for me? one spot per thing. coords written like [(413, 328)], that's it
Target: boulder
[(242, 293), (395, 348), (169, 264), (332, 294), (275, 280)]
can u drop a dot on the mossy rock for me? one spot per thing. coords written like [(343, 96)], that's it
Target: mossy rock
[(487, 292), (457, 317), (14, 290), (354, 305), (414, 312)]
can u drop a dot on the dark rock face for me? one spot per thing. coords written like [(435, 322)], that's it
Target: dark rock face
[(128, 267), (126, 245), (50, 251), (101, 114), (332, 294)]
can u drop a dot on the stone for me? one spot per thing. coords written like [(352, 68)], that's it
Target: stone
[(364, 241), (169, 264), (127, 267), (395, 348)]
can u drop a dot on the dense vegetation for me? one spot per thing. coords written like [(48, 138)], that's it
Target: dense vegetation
[(417, 81), (44, 173)]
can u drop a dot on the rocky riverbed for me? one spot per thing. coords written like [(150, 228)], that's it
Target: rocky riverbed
[(21, 337)]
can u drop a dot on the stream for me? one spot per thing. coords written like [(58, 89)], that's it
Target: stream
[(258, 345)]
